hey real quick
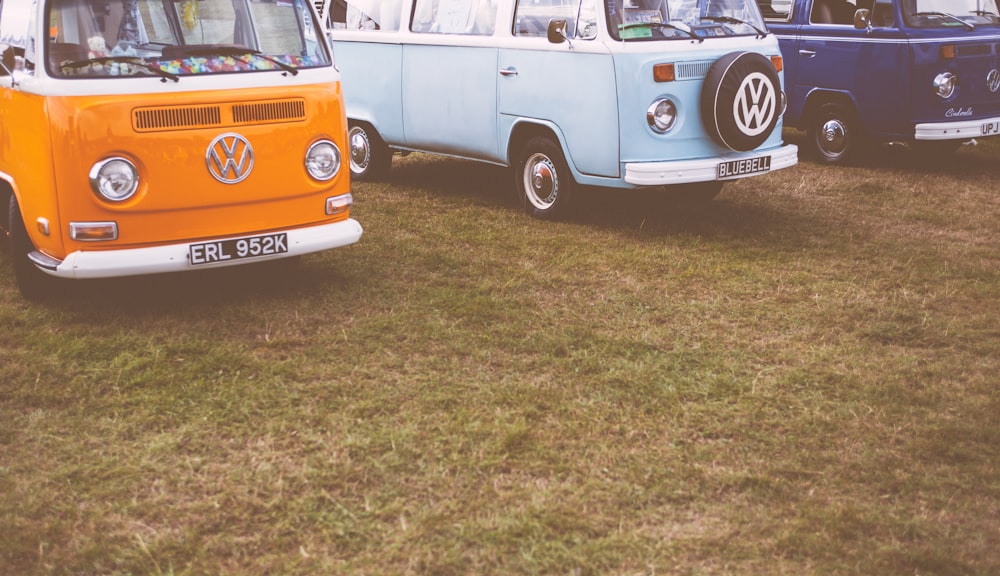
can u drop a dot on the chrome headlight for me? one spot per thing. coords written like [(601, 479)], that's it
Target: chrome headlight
[(661, 115), (945, 84), (114, 179), (323, 160)]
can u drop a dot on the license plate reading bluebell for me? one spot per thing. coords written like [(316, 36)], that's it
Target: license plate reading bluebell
[(238, 248), (744, 167)]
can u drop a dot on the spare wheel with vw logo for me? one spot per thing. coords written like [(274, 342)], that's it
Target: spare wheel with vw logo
[(741, 100)]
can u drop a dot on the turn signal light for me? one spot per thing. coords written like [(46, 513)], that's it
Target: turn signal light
[(93, 231), (663, 73), (777, 62), (948, 52)]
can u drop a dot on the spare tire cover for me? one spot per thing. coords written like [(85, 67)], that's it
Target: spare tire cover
[(741, 100)]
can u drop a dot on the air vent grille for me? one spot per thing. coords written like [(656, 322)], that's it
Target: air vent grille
[(974, 50), (689, 70), (270, 111), (152, 119)]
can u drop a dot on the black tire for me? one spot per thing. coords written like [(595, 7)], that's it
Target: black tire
[(741, 100), (32, 282), (370, 158), (542, 178), (835, 134)]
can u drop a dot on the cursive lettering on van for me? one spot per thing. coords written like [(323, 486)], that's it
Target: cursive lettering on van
[(952, 113)]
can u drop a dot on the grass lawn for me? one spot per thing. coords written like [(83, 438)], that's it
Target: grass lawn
[(800, 378)]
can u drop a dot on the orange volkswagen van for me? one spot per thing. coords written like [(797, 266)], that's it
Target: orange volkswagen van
[(149, 136)]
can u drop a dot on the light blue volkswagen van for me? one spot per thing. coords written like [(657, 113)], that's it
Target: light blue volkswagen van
[(618, 94)]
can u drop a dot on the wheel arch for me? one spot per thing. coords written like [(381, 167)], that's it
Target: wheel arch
[(6, 191), (525, 129), (820, 96)]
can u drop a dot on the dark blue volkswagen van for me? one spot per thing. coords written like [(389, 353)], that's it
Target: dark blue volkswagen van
[(859, 72)]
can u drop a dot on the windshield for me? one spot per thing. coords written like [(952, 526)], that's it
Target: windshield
[(173, 38), (966, 14), (682, 19)]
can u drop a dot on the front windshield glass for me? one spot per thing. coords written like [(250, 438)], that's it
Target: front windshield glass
[(173, 38), (967, 14), (632, 20)]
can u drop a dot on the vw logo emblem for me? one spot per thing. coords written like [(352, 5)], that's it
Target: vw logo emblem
[(993, 80), (229, 158), (755, 104)]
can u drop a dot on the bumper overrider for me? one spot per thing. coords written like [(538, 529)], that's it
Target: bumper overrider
[(176, 257), (730, 167)]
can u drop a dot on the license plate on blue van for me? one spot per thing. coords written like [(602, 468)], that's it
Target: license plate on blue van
[(738, 168), (991, 128)]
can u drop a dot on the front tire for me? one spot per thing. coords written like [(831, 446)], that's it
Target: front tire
[(371, 159), (543, 179), (32, 282), (835, 134)]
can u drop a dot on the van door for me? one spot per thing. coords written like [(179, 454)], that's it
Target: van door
[(871, 65), (449, 79), (572, 87)]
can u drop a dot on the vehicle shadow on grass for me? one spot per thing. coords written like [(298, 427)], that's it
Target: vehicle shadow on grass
[(975, 158), (656, 211), (191, 292)]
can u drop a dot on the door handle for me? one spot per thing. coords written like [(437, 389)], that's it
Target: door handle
[(807, 53), (510, 71)]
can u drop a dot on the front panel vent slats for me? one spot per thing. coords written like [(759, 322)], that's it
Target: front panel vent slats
[(691, 70), (168, 118), (270, 111), (152, 119)]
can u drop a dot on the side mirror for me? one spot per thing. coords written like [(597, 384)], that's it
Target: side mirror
[(6, 60), (863, 19), (557, 31)]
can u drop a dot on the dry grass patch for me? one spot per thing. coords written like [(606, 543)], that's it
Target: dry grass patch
[(797, 379)]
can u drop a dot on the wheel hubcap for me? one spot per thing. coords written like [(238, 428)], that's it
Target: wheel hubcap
[(541, 182), (833, 136), (359, 150)]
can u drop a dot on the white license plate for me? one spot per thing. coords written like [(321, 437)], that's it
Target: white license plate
[(991, 128), (237, 248), (744, 167)]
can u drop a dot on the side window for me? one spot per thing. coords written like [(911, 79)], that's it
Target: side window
[(531, 17), (839, 12), (365, 15), (775, 9), (882, 15), (474, 17), (14, 23)]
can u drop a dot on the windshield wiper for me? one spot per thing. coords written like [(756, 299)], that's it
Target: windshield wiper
[(684, 29), (216, 50), (132, 60), (968, 25), (731, 20)]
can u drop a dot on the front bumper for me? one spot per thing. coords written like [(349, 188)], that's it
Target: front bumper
[(174, 257), (703, 169), (963, 130)]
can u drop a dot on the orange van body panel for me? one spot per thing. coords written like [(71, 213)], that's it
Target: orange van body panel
[(27, 158), (178, 199)]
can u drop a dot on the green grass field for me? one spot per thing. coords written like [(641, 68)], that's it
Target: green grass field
[(801, 378)]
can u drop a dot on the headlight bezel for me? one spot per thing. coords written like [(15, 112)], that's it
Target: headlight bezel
[(945, 85), (105, 179), (655, 115), (323, 170)]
